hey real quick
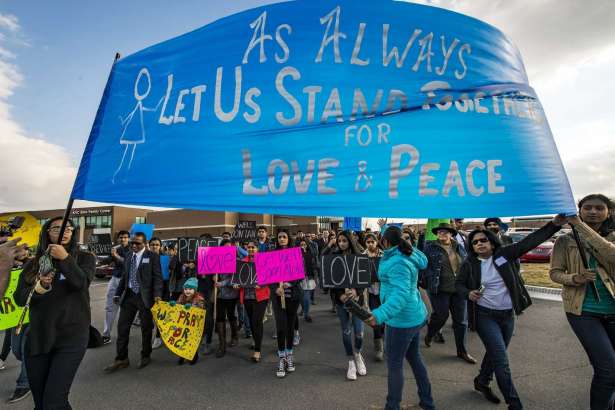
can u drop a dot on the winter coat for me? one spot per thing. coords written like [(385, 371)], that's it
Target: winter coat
[(401, 303)]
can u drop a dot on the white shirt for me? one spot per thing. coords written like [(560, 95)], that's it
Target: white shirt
[(139, 256), (496, 295), (461, 240)]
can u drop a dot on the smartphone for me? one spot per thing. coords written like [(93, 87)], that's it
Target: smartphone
[(481, 289)]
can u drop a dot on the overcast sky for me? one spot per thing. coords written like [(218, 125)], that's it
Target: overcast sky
[(55, 57)]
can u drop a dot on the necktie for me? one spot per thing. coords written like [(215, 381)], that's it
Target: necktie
[(133, 281)]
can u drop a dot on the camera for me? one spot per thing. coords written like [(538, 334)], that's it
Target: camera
[(13, 224)]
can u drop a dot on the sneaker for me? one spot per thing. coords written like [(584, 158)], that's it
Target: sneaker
[(308, 319), (290, 363), (157, 343), (248, 335), (281, 371), (358, 360), (2, 365), (438, 338), (106, 340), (19, 394), (296, 338), (351, 374)]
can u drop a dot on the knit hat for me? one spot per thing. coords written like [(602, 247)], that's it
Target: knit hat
[(191, 283)]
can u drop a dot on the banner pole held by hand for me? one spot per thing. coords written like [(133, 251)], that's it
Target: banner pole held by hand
[(215, 296), (283, 297)]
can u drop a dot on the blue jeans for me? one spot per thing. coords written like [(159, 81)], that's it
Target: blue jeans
[(495, 329), (349, 322), (400, 343), (597, 335), (307, 302), (443, 303), (18, 345)]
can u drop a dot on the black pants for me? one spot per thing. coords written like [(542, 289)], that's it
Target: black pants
[(226, 310), (285, 322), (131, 305), (6, 345), (209, 322), (374, 302), (51, 374), (442, 303), (256, 312)]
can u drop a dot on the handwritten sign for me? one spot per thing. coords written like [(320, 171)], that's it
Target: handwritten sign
[(279, 266), (245, 275), (245, 231), (181, 329), (9, 311), (374, 264), (216, 259), (100, 244), (187, 247), (345, 271)]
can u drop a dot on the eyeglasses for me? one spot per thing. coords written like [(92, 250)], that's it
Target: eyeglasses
[(481, 240), (56, 229)]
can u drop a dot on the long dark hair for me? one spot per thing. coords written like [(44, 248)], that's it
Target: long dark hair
[(277, 244), (353, 249), (393, 236), (493, 239), (608, 225), (43, 243)]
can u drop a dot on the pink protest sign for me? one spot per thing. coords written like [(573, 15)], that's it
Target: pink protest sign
[(279, 266), (216, 259)]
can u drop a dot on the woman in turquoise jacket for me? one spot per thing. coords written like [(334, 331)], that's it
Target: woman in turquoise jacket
[(404, 313)]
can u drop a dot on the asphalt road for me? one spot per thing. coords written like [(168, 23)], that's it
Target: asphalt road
[(549, 367)]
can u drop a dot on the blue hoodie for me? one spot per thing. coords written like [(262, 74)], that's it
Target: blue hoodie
[(402, 305)]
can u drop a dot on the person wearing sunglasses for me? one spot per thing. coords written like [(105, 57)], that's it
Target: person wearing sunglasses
[(490, 279), (55, 284), (139, 289)]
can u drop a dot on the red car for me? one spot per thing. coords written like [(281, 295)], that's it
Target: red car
[(542, 253)]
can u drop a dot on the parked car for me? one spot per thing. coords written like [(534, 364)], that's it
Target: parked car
[(542, 253), (104, 266)]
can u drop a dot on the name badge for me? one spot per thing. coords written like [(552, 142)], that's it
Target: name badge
[(500, 261), (145, 260)]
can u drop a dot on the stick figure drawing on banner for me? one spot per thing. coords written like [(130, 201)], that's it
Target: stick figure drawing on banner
[(133, 133), (362, 178)]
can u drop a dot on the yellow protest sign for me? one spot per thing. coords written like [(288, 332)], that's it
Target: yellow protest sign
[(29, 230), (9, 311), (181, 329)]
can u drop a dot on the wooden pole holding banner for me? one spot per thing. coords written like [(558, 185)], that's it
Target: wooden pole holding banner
[(215, 297), (69, 207), (584, 261), (283, 297)]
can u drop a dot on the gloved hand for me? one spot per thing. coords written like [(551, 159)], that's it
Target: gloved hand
[(172, 303), (187, 306)]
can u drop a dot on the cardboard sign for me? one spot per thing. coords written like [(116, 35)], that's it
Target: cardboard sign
[(345, 271), (187, 247), (374, 264), (216, 259), (245, 231), (164, 266), (181, 329), (285, 265), (9, 311), (100, 244), (245, 275)]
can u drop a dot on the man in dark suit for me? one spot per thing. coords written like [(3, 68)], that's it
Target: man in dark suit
[(461, 238), (138, 290)]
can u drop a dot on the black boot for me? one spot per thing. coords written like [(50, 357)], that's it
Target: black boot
[(486, 392), (195, 359), (221, 339)]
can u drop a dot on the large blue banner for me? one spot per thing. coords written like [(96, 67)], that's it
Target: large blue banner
[(381, 108)]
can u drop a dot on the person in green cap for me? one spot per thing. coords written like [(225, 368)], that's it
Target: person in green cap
[(190, 297)]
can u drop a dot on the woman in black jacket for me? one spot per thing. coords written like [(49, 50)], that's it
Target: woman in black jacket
[(59, 314), (490, 278), (285, 318)]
